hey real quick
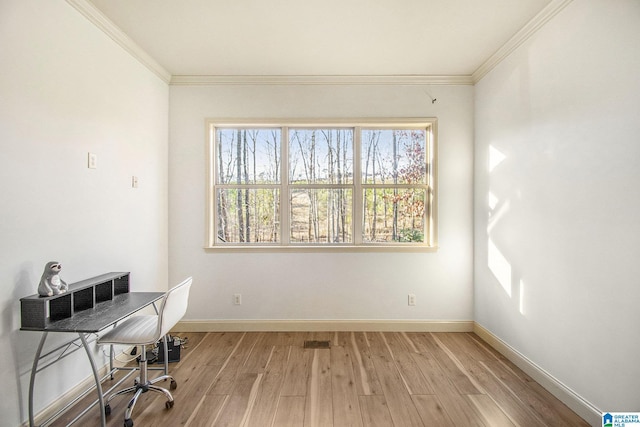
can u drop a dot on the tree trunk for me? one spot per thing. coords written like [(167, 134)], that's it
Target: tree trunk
[(223, 218), (395, 189), (239, 191), (245, 162), (276, 203), (375, 197)]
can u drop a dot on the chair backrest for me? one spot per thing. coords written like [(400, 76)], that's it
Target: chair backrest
[(173, 307)]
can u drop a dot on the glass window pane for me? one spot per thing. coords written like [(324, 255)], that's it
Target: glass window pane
[(321, 156), (321, 216), (248, 215), (393, 156), (248, 156), (393, 215)]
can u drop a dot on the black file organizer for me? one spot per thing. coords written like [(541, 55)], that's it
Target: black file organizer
[(37, 312)]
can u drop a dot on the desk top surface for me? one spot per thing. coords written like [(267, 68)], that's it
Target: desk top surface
[(104, 313)]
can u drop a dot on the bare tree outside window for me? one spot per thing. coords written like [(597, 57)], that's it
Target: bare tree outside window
[(321, 178), (248, 195), (394, 177)]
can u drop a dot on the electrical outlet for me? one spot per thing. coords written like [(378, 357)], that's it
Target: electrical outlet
[(237, 299), (134, 182), (411, 300)]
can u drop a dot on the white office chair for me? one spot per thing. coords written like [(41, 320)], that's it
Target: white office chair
[(147, 330)]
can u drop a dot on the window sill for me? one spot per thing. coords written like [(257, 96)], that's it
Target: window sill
[(320, 249)]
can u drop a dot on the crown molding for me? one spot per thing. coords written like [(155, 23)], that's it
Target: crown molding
[(94, 15), (544, 16), (332, 80)]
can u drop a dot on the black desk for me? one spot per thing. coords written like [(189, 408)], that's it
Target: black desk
[(88, 321)]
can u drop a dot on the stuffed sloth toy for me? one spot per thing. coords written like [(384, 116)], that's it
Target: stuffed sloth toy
[(50, 282)]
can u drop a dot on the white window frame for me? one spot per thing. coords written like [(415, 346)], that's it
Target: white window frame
[(430, 233)]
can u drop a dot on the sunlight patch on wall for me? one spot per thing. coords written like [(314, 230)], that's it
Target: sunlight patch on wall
[(493, 201), (495, 158), (494, 216), (500, 267)]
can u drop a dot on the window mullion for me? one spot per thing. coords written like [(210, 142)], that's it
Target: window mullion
[(356, 212), (432, 177), (212, 215), (285, 209)]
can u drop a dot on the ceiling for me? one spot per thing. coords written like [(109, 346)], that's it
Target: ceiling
[(322, 37)]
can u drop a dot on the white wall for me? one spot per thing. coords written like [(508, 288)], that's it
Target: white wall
[(325, 286), (556, 268), (66, 89)]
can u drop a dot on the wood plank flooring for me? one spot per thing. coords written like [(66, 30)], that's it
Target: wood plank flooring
[(385, 379)]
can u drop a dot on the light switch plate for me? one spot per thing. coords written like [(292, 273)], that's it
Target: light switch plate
[(92, 161)]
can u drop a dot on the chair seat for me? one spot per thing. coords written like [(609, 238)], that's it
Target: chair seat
[(138, 330)]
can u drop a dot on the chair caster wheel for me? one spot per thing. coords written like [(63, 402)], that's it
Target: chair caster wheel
[(128, 423), (169, 404), (174, 385), (107, 409)]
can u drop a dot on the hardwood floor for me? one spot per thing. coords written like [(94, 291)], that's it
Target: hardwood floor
[(365, 379)]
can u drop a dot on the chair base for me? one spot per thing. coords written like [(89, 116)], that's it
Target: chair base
[(138, 389), (142, 386)]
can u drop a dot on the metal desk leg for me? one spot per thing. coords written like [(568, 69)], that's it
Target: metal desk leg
[(96, 376), (166, 347), (32, 380), (166, 355), (111, 355)]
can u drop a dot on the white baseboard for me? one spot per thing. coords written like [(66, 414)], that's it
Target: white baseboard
[(324, 325), (567, 396)]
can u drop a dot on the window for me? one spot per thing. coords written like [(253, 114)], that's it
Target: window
[(359, 184)]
